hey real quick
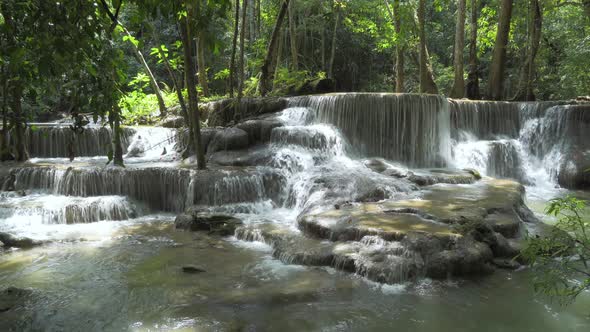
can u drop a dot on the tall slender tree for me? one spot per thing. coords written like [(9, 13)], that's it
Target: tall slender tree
[(472, 88), (242, 46), (232, 63), (427, 84), (496, 83), (293, 35), (267, 70), (337, 11), (458, 90), (527, 76)]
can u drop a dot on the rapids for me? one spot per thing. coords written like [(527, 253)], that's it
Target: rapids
[(113, 261)]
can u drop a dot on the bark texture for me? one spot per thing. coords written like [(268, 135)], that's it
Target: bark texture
[(458, 90), (267, 70), (496, 84), (472, 88)]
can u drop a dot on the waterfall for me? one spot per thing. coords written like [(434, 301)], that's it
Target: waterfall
[(485, 119), (58, 141), (413, 129), (50, 209)]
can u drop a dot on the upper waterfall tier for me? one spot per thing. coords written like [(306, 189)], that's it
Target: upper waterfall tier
[(414, 129), (63, 142)]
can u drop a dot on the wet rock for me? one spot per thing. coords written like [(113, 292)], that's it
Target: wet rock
[(192, 269), (137, 148), (214, 224), (258, 156), (228, 139), (574, 174), (259, 130), (434, 176), (183, 139), (467, 258), (12, 241), (172, 121), (222, 112), (376, 165), (13, 297), (506, 264)]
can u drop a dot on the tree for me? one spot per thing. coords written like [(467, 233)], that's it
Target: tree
[(458, 90), (293, 35), (242, 46), (525, 90), (497, 67), (232, 63), (427, 84), (266, 71), (337, 10), (186, 27), (563, 256), (472, 88), (395, 16), (134, 42)]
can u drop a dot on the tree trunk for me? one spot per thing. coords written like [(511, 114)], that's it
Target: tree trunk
[(232, 63), (266, 72), (277, 61), (427, 84), (4, 149), (472, 89), (20, 149), (293, 36), (201, 64), (116, 128), (330, 73), (525, 90), (496, 85), (174, 83), (193, 99), (395, 16), (258, 18), (458, 90), (241, 59), (148, 71)]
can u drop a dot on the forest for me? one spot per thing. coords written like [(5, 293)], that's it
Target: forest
[(294, 165)]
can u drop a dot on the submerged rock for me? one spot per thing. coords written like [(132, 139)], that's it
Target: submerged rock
[(214, 224), (12, 241), (434, 176), (12, 297), (192, 269)]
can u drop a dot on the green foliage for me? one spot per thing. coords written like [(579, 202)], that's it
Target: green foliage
[(560, 259)]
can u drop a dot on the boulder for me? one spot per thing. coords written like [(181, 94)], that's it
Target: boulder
[(172, 121), (257, 156), (12, 241), (223, 112), (259, 130), (214, 224), (228, 139)]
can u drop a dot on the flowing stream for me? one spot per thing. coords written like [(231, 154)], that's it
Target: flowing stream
[(112, 259)]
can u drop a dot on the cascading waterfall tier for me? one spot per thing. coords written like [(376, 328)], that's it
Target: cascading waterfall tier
[(161, 188), (413, 129), (63, 142), (50, 209)]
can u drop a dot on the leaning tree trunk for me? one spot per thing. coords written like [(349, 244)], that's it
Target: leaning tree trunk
[(427, 84), (472, 88), (496, 85), (4, 150), (293, 36), (232, 62), (193, 99), (202, 65), (242, 45), (330, 73), (266, 72), (148, 71), (527, 76), (458, 90)]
